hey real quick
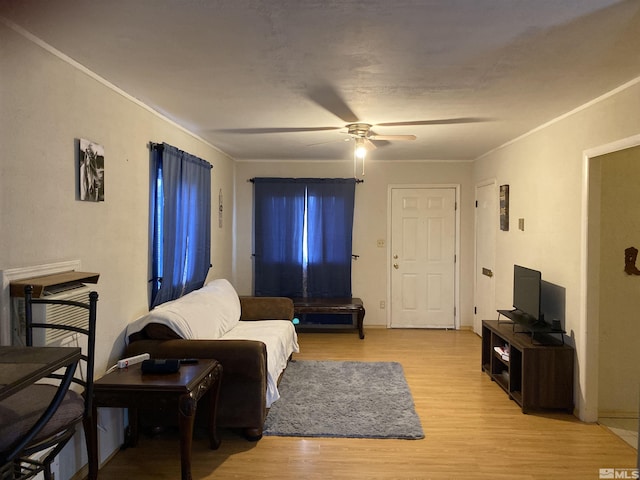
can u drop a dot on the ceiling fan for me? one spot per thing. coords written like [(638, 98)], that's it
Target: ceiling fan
[(365, 138)]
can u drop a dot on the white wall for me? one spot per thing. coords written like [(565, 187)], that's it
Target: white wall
[(46, 105), (370, 222), (546, 173), (619, 329)]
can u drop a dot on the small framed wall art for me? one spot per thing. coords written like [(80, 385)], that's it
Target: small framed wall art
[(91, 171), (504, 208)]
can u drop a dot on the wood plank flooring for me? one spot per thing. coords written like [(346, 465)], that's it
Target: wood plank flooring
[(473, 431)]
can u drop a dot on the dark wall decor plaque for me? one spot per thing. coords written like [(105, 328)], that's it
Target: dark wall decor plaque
[(504, 207)]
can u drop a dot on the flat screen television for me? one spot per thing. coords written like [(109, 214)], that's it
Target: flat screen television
[(526, 292)]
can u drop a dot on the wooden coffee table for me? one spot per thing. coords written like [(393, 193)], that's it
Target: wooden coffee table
[(130, 388)]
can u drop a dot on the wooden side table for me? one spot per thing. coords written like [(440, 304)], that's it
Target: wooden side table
[(130, 388)]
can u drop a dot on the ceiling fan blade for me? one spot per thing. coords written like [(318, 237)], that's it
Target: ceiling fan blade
[(369, 145), (381, 143), (441, 121), (392, 137), (328, 98), (330, 141), (277, 130)]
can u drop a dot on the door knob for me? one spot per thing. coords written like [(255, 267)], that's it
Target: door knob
[(395, 256), (396, 266)]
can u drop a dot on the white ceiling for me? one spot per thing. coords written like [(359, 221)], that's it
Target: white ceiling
[(476, 73)]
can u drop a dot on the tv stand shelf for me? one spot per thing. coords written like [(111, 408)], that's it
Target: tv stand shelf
[(535, 376)]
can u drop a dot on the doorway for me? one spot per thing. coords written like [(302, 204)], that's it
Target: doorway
[(614, 227), (423, 251)]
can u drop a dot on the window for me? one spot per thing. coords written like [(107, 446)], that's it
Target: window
[(180, 216), (303, 237)]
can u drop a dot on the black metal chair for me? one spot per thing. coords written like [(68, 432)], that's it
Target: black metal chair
[(38, 421)]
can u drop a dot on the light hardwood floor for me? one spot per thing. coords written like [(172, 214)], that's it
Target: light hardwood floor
[(473, 431)]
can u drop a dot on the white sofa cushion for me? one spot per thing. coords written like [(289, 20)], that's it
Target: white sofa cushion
[(207, 313), (281, 340)]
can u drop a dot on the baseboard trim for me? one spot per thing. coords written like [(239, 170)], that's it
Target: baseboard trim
[(617, 414)]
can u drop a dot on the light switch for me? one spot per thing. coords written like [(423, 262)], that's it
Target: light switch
[(521, 224)]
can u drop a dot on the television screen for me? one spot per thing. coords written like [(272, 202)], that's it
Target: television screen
[(526, 291)]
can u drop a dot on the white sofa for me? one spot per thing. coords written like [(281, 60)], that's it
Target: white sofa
[(213, 322)]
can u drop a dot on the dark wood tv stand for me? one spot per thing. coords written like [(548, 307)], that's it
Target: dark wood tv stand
[(536, 376)]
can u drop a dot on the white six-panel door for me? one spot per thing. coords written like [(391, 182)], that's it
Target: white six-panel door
[(423, 245)]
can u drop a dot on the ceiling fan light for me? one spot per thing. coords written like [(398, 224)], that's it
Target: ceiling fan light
[(361, 149)]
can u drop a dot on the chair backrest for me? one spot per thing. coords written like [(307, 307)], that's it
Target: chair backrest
[(88, 350)]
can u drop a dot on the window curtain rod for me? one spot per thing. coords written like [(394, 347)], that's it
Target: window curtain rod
[(252, 180), (159, 147), (354, 256)]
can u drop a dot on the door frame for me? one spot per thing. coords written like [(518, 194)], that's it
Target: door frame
[(588, 357), (456, 266), (484, 183)]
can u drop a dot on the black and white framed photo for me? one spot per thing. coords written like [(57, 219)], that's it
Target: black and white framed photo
[(91, 172)]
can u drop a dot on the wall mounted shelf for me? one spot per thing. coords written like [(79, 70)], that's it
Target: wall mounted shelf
[(42, 282)]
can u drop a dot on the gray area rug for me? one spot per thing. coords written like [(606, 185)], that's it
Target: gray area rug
[(344, 399)]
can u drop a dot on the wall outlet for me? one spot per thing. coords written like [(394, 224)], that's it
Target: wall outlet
[(382, 304), (380, 243)]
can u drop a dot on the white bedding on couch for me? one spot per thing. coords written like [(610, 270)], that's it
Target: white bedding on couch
[(213, 313), (206, 313), (281, 340)]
